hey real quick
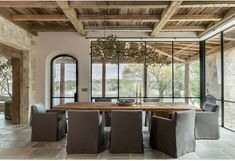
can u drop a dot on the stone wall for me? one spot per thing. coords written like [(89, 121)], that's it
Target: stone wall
[(213, 82), (17, 38)]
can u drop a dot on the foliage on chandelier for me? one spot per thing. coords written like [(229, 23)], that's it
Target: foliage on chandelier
[(109, 49)]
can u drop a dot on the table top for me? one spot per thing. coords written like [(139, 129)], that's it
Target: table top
[(103, 106)]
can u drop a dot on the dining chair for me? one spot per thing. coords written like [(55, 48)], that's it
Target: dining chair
[(86, 132), (126, 132), (148, 114), (175, 136), (207, 122), (106, 115), (47, 125)]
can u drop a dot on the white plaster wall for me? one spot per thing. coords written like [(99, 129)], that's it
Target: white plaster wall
[(51, 44)]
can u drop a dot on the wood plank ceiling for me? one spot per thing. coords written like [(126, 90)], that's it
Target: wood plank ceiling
[(150, 17)]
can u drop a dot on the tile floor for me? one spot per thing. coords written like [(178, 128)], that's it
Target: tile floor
[(15, 144)]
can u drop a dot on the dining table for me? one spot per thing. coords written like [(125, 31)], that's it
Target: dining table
[(109, 106)]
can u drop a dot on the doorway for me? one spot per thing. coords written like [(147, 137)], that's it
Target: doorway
[(64, 82)]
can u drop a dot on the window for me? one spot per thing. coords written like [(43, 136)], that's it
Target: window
[(178, 79), (64, 82), (229, 78)]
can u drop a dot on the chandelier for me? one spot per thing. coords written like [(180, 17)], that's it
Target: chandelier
[(110, 49)]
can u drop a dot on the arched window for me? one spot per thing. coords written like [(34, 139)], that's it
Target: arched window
[(64, 79)]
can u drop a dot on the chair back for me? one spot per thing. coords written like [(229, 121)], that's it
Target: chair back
[(103, 100), (126, 132), (210, 99), (38, 108), (151, 99), (209, 107), (82, 135), (184, 119)]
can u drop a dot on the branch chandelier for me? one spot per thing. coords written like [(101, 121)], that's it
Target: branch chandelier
[(110, 49)]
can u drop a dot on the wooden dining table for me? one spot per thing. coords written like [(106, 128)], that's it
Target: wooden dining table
[(103, 106)]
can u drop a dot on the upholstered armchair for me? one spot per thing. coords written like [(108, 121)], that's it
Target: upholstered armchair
[(126, 132), (175, 136), (206, 124), (46, 124), (86, 132)]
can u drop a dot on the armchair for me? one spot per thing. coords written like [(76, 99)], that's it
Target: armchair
[(174, 136), (206, 123), (46, 124)]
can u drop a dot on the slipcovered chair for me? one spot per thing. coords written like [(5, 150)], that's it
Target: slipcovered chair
[(106, 115), (175, 136), (47, 125), (148, 114), (126, 132), (86, 132), (206, 124)]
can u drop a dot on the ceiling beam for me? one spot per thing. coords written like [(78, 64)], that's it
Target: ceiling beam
[(198, 17), (229, 14), (52, 29), (28, 4), (115, 28), (143, 18), (72, 16), (206, 4), (187, 47), (118, 28), (118, 5), (183, 28), (55, 17), (166, 16)]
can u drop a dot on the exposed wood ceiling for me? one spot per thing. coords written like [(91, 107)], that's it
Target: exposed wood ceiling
[(137, 16), (149, 17)]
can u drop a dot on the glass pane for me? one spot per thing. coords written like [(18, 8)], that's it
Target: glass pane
[(111, 80), (96, 80), (186, 69), (159, 76), (64, 77), (131, 73), (57, 101), (213, 67), (229, 115), (5, 78), (179, 79), (70, 80), (131, 79), (229, 64)]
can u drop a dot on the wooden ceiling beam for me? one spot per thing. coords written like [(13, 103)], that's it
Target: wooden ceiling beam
[(183, 28), (55, 17), (72, 16), (143, 18), (166, 16), (199, 17), (207, 4), (118, 28), (118, 5), (28, 4), (115, 28)]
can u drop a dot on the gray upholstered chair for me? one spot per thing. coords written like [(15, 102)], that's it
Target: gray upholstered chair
[(148, 114), (206, 124), (175, 136), (106, 115), (86, 132), (46, 124), (126, 132)]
